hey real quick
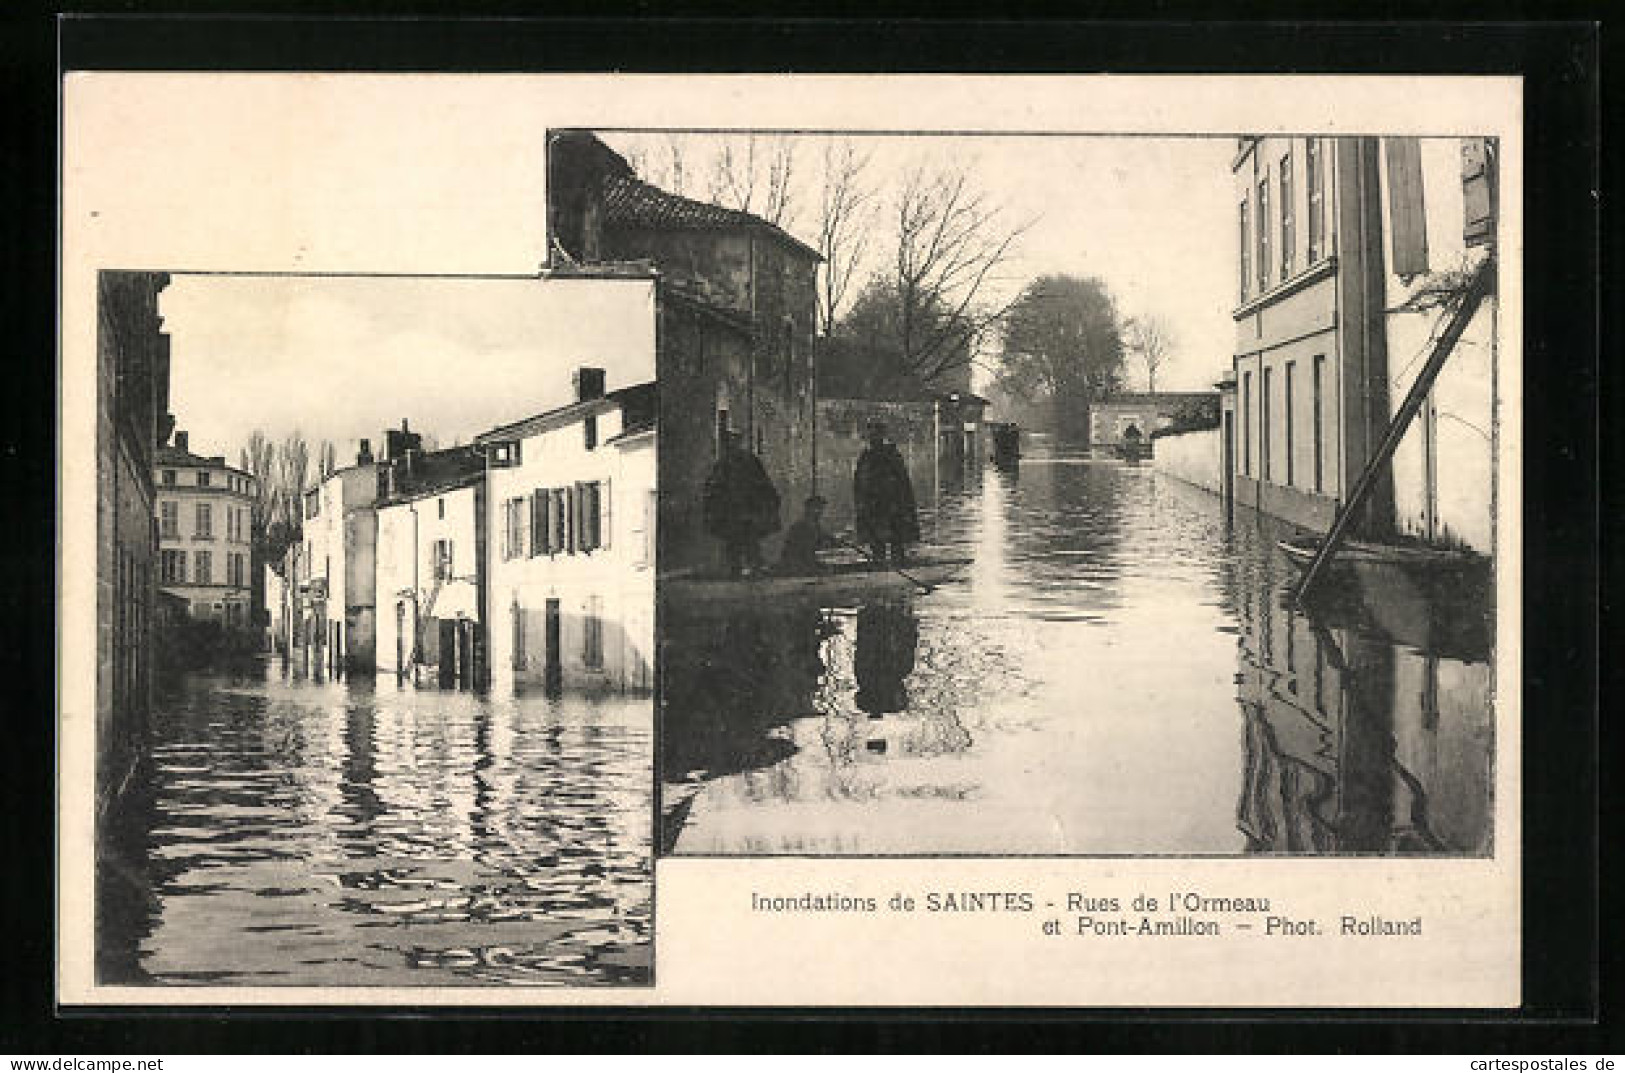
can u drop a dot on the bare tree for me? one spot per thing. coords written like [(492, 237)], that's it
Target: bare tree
[(329, 459), (259, 459), (845, 221), (293, 471), (1152, 341), (950, 240), (661, 163), (756, 175)]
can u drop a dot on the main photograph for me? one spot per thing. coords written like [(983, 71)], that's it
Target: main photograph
[(1063, 495)]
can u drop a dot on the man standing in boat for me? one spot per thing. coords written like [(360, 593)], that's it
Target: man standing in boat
[(883, 498), (741, 505)]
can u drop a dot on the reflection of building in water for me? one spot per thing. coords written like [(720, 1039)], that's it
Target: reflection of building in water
[(729, 679), (1357, 745)]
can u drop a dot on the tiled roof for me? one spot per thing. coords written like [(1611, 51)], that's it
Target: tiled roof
[(630, 202), (170, 455)]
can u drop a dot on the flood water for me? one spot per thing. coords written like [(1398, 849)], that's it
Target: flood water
[(370, 833), (1118, 671)]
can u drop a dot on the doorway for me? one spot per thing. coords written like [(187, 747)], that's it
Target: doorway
[(554, 679)]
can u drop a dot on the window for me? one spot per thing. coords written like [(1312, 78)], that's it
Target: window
[(504, 455), (1247, 423), (313, 503), (1286, 406), (539, 543), (1286, 215), (518, 614), (1316, 373), (1263, 234), (440, 507), (204, 568), (1246, 252), (588, 518), (513, 528), (589, 431), (1314, 179), (592, 634), (172, 566), (169, 477), (205, 521), (442, 560), (1264, 423), (203, 478), (559, 516), (169, 514)]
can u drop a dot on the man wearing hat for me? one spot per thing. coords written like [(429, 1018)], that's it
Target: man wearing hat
[(883, 498), (741, 505)]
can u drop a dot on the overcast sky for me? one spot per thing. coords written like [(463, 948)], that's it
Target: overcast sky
[(445, 175)]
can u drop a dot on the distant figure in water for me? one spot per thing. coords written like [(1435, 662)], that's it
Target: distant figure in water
[(798, 553), (883, 497), (741, 506)]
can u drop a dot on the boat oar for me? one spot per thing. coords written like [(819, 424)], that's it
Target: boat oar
[(866, 553)]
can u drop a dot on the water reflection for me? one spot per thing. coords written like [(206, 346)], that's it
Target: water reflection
[(303, 833), (1115, 673)]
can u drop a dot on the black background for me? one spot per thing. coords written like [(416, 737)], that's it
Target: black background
[(1566, 957)]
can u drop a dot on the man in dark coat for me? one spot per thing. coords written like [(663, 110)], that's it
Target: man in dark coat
[(741, 505), (883, 498)]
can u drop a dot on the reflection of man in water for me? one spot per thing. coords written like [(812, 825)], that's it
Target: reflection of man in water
[(883, 497), (887, 636), (798, 552), (741, 505)]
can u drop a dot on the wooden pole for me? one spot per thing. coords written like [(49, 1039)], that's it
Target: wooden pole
[(1477, 288)]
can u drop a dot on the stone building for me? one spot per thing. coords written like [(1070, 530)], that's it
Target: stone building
[(1346, 248), (737, 302), (132, 419), (205, 538)]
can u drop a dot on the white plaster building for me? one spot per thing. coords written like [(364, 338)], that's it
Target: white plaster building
[(570, 542)]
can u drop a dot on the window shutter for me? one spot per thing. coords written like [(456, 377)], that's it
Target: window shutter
[(573, 526), (1477, 192), (606, 515), (1406, 217)]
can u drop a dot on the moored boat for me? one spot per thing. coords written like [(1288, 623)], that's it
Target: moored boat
[(837, 581)]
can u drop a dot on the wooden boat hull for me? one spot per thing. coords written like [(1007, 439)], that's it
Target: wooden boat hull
[(842, 582)]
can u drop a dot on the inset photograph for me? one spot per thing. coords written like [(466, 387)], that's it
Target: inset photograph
[(1067, 495), (375, 620)]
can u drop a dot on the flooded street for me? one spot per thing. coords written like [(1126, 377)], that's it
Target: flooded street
[(362, 833), (1117, 672)]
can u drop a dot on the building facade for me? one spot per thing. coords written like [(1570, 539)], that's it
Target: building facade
[(132, 418), (430, 567), (334, 579), (572, 517), (1348, 252), (737, 318), (205, 537)]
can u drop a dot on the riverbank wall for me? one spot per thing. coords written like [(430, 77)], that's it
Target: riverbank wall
[(1192, 457)]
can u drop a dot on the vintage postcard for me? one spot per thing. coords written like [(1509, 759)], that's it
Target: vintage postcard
[(764, 540)]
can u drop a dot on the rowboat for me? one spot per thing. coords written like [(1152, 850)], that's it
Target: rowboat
[(1435, 600), (838, 581)]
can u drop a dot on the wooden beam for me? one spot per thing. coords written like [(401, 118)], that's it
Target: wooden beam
[(1477, 288)]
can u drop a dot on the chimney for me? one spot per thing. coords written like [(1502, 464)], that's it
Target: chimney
[(589, 383), (363, 457), (183, 441)]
